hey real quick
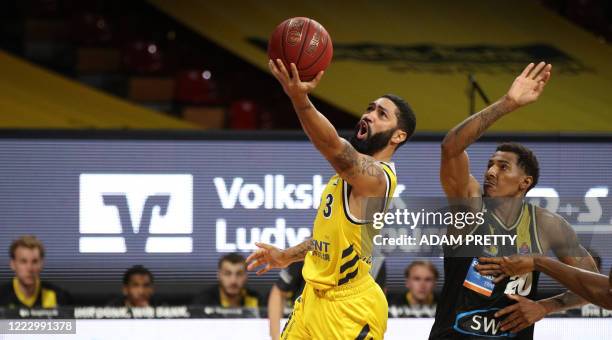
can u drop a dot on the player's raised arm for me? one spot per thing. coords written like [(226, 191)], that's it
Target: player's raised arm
[(454, 168), (362, 172)]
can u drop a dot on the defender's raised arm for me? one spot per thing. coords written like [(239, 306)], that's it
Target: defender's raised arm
[(455, 169)]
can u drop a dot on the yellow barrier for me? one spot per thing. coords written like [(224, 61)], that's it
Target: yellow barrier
[(31, 97)]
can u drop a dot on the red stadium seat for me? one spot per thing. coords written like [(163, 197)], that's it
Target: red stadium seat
[(196, 86), (91, 29), (142, 57), (243, 115)]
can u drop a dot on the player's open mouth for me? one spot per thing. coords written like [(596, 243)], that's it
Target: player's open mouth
[(362, 132)]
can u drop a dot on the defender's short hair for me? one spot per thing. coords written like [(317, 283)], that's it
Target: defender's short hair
[(526, 159)]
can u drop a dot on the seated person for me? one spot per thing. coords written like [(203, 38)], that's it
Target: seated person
[(230, 291), (26, 289), (286, 289), (421, 277), (138, 288)]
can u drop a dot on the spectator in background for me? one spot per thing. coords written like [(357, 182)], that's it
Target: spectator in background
[(421, 277), (27, 289), (138, 288), (286, 289), (231, 289)]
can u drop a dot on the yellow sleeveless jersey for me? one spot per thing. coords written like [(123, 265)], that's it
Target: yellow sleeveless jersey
[(338, 255)]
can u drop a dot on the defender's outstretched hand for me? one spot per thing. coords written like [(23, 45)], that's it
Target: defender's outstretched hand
[(528, 86), (502, 267), (268, 256), (292, 85)]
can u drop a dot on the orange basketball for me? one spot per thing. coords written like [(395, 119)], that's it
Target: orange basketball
[(305, 43)]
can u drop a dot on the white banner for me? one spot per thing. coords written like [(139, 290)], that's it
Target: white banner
[(257, 329)]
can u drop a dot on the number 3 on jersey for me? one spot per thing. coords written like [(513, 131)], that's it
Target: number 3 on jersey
[(327, 211)]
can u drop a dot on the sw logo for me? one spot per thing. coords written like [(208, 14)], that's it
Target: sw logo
[(480, 323), (127, 212)]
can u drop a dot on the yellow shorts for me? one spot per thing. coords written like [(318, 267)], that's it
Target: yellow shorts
[(356, 310)]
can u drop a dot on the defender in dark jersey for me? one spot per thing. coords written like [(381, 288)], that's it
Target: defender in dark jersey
[(473, 306)]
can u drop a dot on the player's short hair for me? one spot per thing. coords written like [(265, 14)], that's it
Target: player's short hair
[(27, 241), (136, 270), (406, 119), (432, 268), (526, 160), (231, 258)]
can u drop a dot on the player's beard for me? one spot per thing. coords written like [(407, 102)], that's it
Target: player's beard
[(372, 143)]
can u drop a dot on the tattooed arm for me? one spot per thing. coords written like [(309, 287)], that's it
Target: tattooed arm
[(271, 257), (362, 172), (298, 252), (559, 236), (455, 175), (454, 169)]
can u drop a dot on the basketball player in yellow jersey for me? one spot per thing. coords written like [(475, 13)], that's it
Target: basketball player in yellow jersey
[(340, 299)]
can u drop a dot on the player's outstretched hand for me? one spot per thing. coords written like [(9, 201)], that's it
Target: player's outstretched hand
[(292, 85), (268, 256), (528, 86), (502, 267), (520, 315)]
